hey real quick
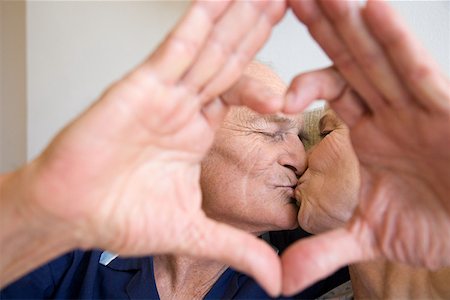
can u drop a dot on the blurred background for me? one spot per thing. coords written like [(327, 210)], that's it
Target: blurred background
[(56, 58)]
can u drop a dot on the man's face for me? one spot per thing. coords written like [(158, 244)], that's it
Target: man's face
[(249, 176)]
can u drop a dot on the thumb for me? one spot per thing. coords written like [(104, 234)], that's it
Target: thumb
[(312, 259), (325, 84), (254, 94), (242, 251)]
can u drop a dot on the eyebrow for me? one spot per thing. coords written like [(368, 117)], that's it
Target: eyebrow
[(291, 122), (278, 119)]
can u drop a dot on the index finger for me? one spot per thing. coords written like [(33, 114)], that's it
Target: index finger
[(181, 47)]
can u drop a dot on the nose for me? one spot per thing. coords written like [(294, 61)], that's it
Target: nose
[(294, 155)]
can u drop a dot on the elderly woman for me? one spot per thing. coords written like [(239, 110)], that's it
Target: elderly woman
[(327, 192), (248, 181)]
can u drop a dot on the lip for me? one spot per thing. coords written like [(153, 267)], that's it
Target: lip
[(289, 188)]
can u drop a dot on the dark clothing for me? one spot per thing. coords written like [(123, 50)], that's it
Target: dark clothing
[(86, 275)]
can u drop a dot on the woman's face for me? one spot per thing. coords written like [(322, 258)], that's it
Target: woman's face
[(249, 176), (328, 189)]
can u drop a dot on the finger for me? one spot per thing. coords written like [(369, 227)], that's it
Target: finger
[(223, 41), (414, 65), (312, 259), (326, 84), (253, 94), (238, 249), (346, 18), (309, 12), (180, 48), (215, 112), (245, 52)]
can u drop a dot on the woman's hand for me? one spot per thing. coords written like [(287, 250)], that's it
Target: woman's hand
[(397, 104)]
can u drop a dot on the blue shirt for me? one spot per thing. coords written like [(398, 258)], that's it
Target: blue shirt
[(91, 275)]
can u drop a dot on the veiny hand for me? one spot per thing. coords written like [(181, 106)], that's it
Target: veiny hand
[(397, 104), (124, 176)]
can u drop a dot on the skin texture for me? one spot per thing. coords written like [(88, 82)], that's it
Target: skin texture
[(328, 189), (125, 175), (334, 163), (253, 169), (250, 173), (397, 105), (137, 174), (247, 179)]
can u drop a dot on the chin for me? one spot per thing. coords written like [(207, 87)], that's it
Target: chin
[(289, 220), (303, 220), (309, 222)]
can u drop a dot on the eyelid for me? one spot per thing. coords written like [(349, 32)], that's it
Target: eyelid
[(324, 133), (303, 136), (277, 135)]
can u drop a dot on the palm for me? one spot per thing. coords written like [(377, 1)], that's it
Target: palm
[(389, 92), (126, 173), (389, 175), (132, 160)]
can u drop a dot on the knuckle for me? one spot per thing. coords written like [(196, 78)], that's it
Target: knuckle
[(371, 60), (178, 45), (343, 59), (259, 5), (419, 73), (241, 58), (224, 49)]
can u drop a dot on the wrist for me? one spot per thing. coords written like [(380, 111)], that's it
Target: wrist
[(29, 236)]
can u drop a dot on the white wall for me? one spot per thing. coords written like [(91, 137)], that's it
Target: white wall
[(75, 49), (291, 51), (12, 85), (430, 20)]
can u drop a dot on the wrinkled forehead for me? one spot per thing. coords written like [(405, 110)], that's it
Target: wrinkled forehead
[(244, 116)]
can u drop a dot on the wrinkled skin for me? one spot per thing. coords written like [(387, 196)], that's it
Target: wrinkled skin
[(247, 180), (249, 175), (397, 104), (328, 190), (124, 176), (333, 163)]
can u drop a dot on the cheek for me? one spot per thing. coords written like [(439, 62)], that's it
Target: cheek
[(311, 194), (305, 217)]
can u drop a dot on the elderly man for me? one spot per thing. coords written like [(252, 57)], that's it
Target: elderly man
[(114, 177), (248, 180), (128, 168)]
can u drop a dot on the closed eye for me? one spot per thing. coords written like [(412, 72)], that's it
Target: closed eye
[(277, 136), (324, 133)]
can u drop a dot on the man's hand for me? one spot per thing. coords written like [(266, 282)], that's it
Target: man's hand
[(124, 176), (397, 104)]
